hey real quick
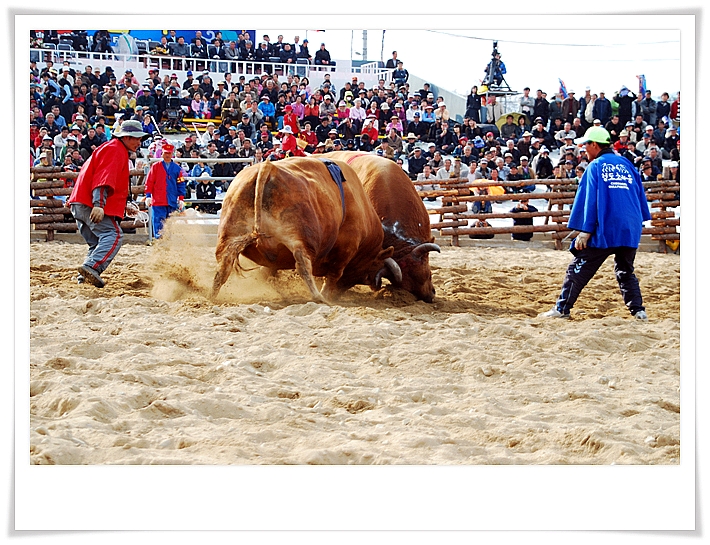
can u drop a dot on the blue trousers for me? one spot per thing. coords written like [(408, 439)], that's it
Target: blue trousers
[(160, 214), (585, 265), (104, 238)]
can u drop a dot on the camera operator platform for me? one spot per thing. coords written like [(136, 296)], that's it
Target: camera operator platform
[(494, 80)]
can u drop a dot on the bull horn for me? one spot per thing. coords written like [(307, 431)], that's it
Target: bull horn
[(391, 264), (422, 249), (378, 278)]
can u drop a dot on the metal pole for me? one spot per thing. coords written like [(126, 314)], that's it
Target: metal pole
[(364, 45)]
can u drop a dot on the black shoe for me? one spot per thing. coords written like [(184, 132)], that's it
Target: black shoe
[(91, 276)]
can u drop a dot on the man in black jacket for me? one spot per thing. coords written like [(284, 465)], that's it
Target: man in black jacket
[(416, 163), (323, 129), (541, 108), (305, 54), (445, 140), (323, 56)]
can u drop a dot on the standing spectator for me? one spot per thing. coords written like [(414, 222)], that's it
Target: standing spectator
[(527, 104), (625, 99), (648, 109), (164, 188), (608, 211), (570, 107), (602, 109), (585, 103), (675, 111), (556, 111), (495, 109), (541, 108), (98, 200), (400, 75), (663, 108)]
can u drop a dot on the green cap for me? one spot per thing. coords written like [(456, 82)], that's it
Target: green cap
[(595, 134)]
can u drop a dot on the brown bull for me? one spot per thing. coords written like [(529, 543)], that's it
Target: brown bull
[(290, 215), (404, 218)]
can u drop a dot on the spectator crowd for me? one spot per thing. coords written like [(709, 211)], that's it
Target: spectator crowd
[(274, 116)]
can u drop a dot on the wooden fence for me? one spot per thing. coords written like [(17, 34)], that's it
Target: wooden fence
[(453, 216)]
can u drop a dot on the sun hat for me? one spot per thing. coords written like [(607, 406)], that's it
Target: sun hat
[(594, 134), (287, 129), (131, 128)]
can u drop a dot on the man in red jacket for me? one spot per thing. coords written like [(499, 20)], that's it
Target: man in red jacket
[(100, 200), (164, 189)]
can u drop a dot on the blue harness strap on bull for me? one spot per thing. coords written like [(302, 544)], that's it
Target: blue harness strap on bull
[(338, 178)]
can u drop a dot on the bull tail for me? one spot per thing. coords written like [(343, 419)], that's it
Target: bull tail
[(228, 259), (261, 179), (228, 256)]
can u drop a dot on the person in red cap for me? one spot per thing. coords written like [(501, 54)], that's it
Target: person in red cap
[(164, 189), (100, 199), (291, 120)]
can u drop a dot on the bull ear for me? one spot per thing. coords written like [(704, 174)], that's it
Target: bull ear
[(387, 252)]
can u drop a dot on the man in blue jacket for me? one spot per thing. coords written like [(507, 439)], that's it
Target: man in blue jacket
[(608, 211)]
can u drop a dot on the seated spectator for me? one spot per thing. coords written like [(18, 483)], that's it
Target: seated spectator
[(670, 142), (523, 206), (206, 190), (508, 129), (322, 57), (385, 150), (648, 171), (347, 130), (416, 162), (436, 162), (89, 143), (427, 175)]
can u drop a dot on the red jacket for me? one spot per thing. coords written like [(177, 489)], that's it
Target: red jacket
[(107, 167), (291, 120), (288, 144), (164, 184)]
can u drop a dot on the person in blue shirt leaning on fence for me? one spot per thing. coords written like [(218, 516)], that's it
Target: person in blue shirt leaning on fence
[(608, 211), (164, 189)]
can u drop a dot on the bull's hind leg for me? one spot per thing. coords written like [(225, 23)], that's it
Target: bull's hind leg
[(305, 269)]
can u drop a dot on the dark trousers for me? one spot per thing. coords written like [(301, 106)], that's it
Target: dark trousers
[(585, 265)]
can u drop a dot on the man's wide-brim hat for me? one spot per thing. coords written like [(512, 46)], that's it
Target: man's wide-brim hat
[(131, 128)]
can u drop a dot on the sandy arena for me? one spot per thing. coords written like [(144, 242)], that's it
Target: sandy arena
[(148, 370)]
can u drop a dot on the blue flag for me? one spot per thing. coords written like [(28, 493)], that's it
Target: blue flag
[(563, 88), (642, 85)]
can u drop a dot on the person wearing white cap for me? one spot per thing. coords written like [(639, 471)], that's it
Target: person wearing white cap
[(608, 212), (543, 164), (98, 200)]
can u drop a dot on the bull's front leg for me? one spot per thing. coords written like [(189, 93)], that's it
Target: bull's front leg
[(331, 290), (304, 267)]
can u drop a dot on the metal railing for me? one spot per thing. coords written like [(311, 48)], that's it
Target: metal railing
[(140, 62)]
